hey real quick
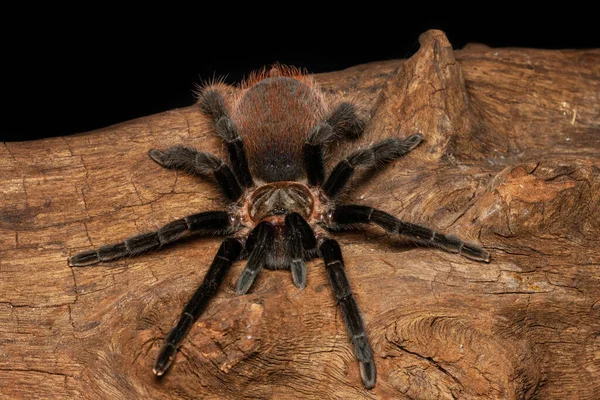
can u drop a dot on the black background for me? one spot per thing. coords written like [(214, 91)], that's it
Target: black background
[(62, 77)]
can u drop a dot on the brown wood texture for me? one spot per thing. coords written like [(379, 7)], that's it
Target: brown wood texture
[(511, 160)]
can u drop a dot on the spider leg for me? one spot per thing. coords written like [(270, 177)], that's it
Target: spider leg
[(228, 252), (342, 122), (312, 153), (199, 163), (258, 244), (347, 216), (235, 147), (300, 239), (334, 264), (346, 122), (213, 104), (378, 154), (210, 222)]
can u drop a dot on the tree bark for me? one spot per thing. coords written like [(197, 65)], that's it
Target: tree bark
[(510, 160)]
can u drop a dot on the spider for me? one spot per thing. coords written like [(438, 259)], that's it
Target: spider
[(282, 209)]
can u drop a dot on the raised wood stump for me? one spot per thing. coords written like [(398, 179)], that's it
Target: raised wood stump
[(511, 160)]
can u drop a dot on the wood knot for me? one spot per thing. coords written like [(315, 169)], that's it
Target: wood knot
[(454, 356)]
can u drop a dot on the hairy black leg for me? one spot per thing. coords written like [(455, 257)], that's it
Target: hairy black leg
[(347, 216), (210, 222), (259, 243), (235, 147), (312, 153), (228, 252), (300, 238), (346, 122), (375, 156), (334, 264), (199, 163), (343, 122), (212, 103)]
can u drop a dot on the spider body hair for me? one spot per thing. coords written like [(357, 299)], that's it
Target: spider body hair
[(274, 112)]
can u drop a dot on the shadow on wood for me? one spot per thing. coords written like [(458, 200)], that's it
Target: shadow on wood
[(511, 161)]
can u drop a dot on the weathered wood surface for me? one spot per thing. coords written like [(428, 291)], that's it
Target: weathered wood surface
[(511, 161)]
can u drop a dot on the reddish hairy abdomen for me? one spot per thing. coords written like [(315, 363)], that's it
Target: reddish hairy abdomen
[(274, 117)]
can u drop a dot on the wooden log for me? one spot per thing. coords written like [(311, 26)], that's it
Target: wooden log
[(510, 160)]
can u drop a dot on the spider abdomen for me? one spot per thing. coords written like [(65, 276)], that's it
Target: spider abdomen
[(274, 116)]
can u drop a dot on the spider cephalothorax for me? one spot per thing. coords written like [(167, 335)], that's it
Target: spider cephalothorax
[(277, 126)]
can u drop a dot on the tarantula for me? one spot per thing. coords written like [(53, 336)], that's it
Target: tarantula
[(277, 127)]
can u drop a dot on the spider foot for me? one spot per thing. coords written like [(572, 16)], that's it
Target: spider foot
[(165, 359), (364, 354), (84, 258), (158, 156), (368, 373), (413, 141), (475, 253)]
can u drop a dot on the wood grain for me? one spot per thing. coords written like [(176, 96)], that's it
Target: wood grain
[(511, 161)]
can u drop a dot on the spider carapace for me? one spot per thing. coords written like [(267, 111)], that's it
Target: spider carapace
[(282, 207)]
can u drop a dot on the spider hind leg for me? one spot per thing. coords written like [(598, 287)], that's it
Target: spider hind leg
[(343, 122), (213, 104)]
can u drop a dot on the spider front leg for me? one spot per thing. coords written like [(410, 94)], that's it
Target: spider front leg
[(210, 222), (347, 216), (228, 253), (334, 264)]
